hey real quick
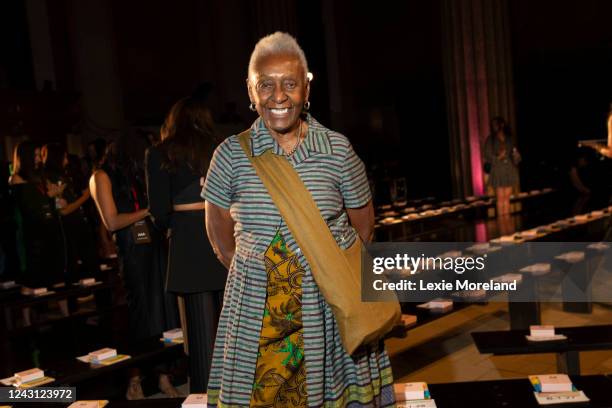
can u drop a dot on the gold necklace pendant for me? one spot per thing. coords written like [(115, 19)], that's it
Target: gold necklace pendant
[(297, 144)]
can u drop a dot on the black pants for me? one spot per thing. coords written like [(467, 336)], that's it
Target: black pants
[(151, 310), (202, 312)]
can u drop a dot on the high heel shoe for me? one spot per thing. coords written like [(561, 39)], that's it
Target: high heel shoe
[(165, 386), (134, 391)]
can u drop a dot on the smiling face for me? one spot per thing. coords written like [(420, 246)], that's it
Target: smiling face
[(279, 89)]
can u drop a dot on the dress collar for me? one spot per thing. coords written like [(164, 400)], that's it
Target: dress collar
[(316, 142)]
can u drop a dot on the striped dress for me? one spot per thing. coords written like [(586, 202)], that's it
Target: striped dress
[(335, 176)]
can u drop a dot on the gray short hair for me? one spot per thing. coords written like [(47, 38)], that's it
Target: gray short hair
[(277, 43)]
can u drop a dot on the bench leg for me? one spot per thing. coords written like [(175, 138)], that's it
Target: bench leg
[(576, 288), (523, 312), (568, 362), (5, 346), (523, 315)]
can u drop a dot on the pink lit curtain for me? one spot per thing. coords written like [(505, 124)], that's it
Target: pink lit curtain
[(478, 80)]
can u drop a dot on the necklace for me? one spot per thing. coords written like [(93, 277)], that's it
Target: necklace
[(297, 144)]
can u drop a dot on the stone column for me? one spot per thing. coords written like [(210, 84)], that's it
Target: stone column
[(40, 41), (96, 70)]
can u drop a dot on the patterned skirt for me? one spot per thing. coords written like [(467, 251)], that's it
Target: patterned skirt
[(289, 352), (503, 174), (280, 375)]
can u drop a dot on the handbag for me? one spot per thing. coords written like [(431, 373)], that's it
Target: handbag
[(336, 272), (140, 232)]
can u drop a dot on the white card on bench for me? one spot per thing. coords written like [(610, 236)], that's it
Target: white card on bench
[(429, 403), (542, 330), (195, 401), (537, 269), (571, 257), (89, 404), (549, 398)]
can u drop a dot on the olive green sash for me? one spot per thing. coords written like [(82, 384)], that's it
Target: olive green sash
[(336, 272)]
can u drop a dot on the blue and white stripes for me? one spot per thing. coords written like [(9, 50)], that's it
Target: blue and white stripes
[(336, 178)]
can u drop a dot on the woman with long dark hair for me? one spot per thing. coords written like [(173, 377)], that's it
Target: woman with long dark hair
[(119, 193), (175, 172), (40, 242), (95, 153)]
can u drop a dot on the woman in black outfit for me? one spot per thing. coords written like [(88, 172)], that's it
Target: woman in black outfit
[(39, 237), (79, 239), (175, 172), (119, 193)]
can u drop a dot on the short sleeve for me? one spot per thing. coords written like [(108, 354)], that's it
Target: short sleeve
[(218, 185), (354, 185)]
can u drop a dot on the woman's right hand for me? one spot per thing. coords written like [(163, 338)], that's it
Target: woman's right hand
[(602, 149), (516, 156)]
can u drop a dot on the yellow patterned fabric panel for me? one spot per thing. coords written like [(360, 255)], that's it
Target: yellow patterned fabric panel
[(280, 377)]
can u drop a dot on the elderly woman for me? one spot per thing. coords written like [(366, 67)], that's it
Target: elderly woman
[(278, 344)]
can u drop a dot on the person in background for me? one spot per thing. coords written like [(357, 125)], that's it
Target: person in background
[(581, 172), (52, 157), (39, 235), (502, 158), (81, 258), (118, 189), (37, 158), (604, 171), (609, 127), (175, 170), (95, 153), (74, 173), (8, 251), (150, 136), (604, 150)]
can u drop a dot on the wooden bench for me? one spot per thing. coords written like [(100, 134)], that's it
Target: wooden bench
[(584, 338), (72, 372), (476, 209), (512, 393), (15, 300), (107, 382)]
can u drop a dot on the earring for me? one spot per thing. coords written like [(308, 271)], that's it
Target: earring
[(252, 107), (307, 105)]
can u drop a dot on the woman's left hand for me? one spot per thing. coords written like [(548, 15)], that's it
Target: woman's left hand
[(54, 190), (61, 203)]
